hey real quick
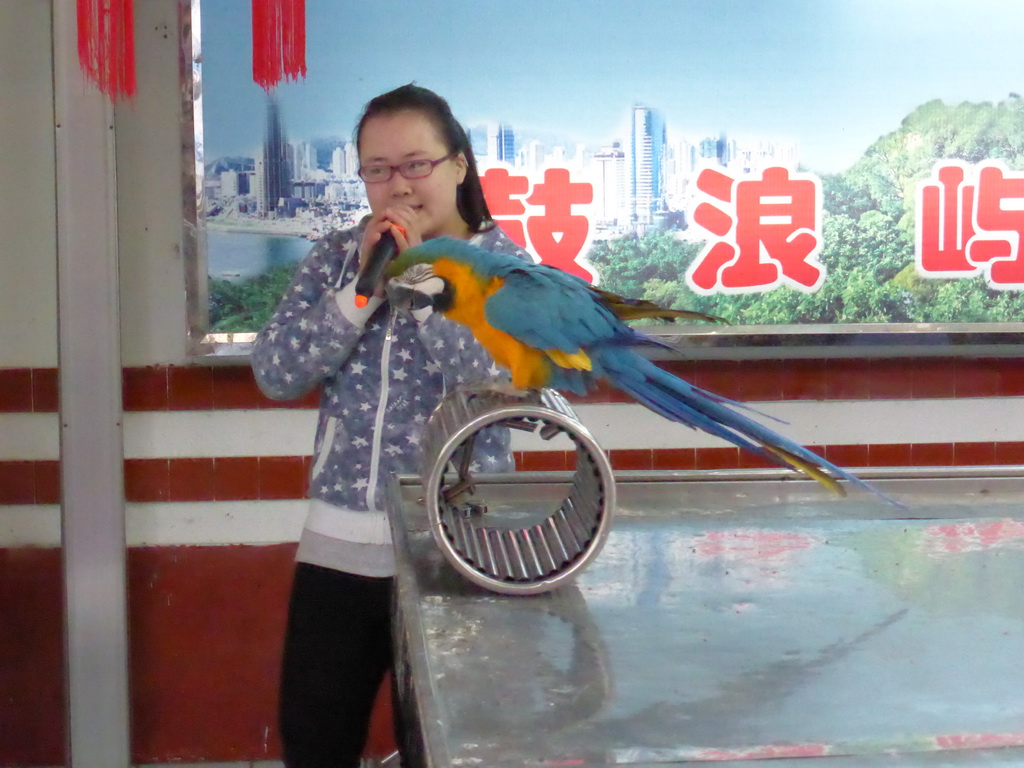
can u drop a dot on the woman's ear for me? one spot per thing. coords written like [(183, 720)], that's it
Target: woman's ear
[(461, 166)]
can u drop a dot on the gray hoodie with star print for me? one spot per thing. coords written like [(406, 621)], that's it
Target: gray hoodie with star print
[(380, 373)]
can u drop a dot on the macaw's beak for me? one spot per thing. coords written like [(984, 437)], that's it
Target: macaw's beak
[(434, 292), (404, 296)]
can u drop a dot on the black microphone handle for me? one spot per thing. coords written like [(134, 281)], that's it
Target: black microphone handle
[(373, 270)]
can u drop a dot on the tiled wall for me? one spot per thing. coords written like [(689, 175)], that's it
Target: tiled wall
[(206, 621), (204, 645), (238, 478)]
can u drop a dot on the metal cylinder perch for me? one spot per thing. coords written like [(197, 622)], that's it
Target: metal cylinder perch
[(532, 550)]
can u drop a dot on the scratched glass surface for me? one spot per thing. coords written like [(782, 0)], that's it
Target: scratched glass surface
[(758, 629)]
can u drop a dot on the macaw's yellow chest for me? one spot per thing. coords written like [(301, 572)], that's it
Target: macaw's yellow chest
[(526, 364), (470, 292)]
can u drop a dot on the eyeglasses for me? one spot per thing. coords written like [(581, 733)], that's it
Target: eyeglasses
[(414, 169)]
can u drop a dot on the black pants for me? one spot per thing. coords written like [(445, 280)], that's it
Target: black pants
[(337, 650)]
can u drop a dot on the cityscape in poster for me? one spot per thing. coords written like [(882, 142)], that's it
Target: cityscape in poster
[(745, 198)]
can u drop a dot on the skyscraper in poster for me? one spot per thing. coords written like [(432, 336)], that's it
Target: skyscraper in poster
[(647, 161), (273, 180), (611, 200), (501, 143)]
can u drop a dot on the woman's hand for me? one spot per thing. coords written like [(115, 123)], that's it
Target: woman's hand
[(402, 222)]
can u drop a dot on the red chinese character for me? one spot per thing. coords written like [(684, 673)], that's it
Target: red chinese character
[(999, 211), (970, 221), (945, 207), (767, 233), (499, 188), (557, 235)]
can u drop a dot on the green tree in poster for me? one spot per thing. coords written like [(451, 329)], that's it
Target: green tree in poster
[(868, 232), (658, 256), (247, 305)]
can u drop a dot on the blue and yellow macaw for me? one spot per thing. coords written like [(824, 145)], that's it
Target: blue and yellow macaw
[(552, 329)]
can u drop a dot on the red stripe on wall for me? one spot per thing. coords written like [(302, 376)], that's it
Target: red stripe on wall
[(31, 657), (253, 478), (28, 390), (233, 478), (29, 482), (205, 636), (199, 388), (205, 631), (173, 388), (176, 388), (205, 628)]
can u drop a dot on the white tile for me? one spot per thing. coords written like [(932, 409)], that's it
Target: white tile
[(215, 522), (271, 432)]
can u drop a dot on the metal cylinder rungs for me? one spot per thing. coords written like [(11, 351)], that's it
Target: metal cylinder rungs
[(530, 554), (580, 517), (449, 418), (536, 557), (580, 529), (455, 530), (586, 496), (486, 556), (472, 544), (504, 567), (461, 407), (553, 400), (518, 563), (581, 493), (488, 550), (568, 535), (540, 546), (554, 540)]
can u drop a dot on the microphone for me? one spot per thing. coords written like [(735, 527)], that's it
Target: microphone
[(373, 270)]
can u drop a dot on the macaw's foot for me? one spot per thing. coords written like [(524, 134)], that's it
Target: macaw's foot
[(472, 508), (460, 492), (503, 388)]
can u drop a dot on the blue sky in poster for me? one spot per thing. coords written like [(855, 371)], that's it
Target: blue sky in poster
[(831, 75)]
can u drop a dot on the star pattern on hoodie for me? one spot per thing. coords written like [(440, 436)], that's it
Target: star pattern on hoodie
[(381, 382)]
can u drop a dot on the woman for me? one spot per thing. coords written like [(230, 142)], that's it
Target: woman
[(381, 374)]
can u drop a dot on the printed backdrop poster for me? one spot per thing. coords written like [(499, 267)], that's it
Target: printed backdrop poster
[(775, 162)]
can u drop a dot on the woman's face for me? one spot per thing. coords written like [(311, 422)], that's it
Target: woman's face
[(410, 135)]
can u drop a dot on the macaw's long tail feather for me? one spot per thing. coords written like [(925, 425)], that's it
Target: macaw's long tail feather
[(682, 402), (636, 309), (808, 469)]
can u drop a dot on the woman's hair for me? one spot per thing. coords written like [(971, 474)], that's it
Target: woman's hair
[(469, 197)]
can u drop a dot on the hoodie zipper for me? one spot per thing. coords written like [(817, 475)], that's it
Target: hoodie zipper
[(382, 404)]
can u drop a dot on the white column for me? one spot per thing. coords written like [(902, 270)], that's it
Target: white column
[(92, 508)]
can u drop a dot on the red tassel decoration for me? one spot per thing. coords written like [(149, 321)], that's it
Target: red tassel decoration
[(106, 45), (278, 41)]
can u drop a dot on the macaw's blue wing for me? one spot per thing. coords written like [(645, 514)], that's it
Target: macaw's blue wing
[(549, 310), (682, 402), (578, 334)]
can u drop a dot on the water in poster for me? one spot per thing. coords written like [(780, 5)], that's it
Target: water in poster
[(244, 255)]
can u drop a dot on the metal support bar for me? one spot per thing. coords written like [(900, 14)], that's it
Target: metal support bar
[(91, 443)]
